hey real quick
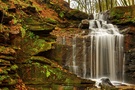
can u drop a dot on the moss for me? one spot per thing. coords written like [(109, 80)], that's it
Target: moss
[(23, 31), (31, 20), (39, 59), (133, 20), (56, 7), (14, 67), (3, 77), (34, 69), (7, 80), (121, 15), (51, 20), (36, 27), (36, 24), (5, 88), (117, 13), (30, 45), (4, 72), (12, 82), (47, 74), (68, 87), (62, 14), (7, 50)]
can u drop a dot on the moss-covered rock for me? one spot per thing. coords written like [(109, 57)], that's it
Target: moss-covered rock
[(51, 21), (123, 15), (7, 50), (35, 24), (8, 76), (40, 27), (45, 74), (76, 15), (38, 71), (30, 45)]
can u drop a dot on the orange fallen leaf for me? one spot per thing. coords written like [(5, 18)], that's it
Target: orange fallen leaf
[(1, 70)]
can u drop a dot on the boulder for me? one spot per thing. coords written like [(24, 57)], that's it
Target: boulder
[(84, 24), (106, 83)]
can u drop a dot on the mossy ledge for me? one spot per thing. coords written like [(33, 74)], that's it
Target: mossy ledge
[(123, 15)]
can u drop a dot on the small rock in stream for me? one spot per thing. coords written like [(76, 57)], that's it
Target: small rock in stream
[(106, 83)]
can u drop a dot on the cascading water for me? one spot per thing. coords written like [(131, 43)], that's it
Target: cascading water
[(74, 67), (101, 50)]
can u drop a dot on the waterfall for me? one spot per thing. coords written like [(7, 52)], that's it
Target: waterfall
[(84, 59), (74, 67), (100, 52)]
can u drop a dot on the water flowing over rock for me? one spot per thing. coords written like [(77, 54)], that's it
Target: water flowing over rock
[(99, 53)]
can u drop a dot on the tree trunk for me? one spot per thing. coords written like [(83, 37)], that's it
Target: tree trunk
[(100, 8), (106, 4), (69, 2), (111, 3), (132, 2), (85, 6)]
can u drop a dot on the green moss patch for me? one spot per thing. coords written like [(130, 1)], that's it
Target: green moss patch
[(121, 15)]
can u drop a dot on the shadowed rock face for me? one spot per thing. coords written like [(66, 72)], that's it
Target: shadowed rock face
[(129, 54)]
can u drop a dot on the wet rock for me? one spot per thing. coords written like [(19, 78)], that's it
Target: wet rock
[(125, 30), (106, 83), (84, 24), (132, 67), (129, 64)]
